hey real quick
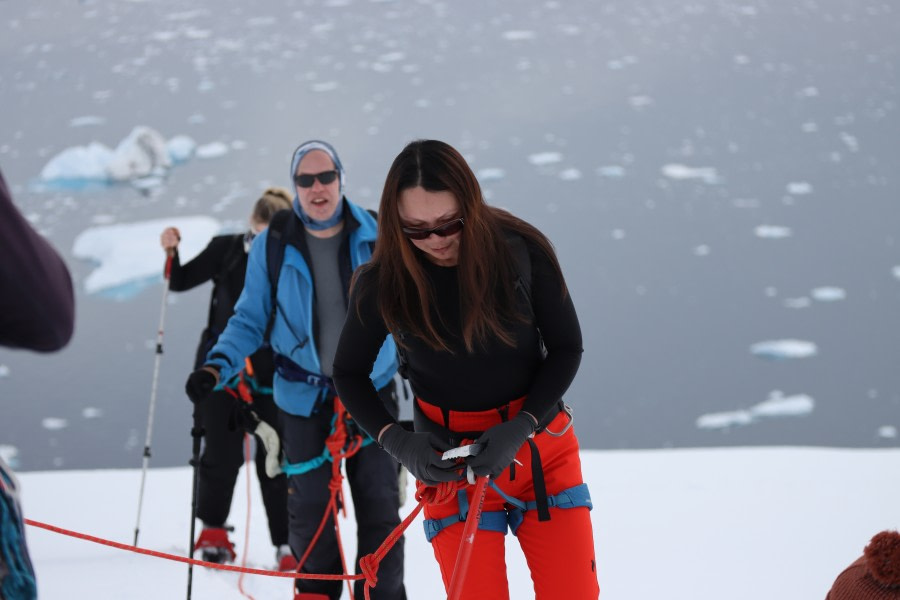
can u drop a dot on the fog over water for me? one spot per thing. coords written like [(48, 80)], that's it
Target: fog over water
[(719, 179)]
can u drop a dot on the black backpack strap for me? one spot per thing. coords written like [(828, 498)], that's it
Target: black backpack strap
[(276, 240), (523, 267)]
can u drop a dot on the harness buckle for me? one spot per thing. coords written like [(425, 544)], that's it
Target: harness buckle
[(568, 410)]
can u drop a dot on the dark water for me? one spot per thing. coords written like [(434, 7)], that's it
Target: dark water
[(671, 283)]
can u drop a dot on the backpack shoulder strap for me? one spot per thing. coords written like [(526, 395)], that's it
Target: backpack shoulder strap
[(276, 240), (523, 267)]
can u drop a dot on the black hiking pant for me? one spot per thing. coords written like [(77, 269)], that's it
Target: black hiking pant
[(373, 478), (223, 455)]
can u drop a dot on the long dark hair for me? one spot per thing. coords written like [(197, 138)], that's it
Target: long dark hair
[(486, 266)]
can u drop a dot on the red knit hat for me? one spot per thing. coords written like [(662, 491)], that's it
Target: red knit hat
[(875, 575)]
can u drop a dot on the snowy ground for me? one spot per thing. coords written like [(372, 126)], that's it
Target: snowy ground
[(735, 524)]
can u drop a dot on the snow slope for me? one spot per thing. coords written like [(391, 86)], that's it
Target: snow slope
[(735, 524)]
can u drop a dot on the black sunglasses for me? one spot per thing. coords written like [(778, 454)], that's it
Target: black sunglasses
[(454, 226), (306, 180)]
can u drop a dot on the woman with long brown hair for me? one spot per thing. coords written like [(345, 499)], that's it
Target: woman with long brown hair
[(489, 340)]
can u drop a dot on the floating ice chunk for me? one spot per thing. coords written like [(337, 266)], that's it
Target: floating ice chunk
[(212, 150), (772, 231), (784, 349), (677, 171), (809, 127), (10, 455), (828, 294), (802, 302), (779, 405), (617, 234), (518, 35), (324, 86), (181, 148), (896, 271), (545, 158), (89, 412), (54, 423), (570, 174), (611, 171), (4, 371), (702, 250), (79, 163), (776, 405), (724, 419), (850, 141), (799, 188), (639, 102), (887, 431), (128, 254), (392, 57), (86, 121), (746, 203), (143, 152), (490, 174)]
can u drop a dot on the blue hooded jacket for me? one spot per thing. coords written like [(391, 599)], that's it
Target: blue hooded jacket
[(294, 326)]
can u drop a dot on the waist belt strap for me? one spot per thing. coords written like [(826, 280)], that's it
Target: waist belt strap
[(499, 520), (291, 371)]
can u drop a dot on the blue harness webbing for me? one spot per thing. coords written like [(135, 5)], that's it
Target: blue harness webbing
[(500, 520), (306, 466)]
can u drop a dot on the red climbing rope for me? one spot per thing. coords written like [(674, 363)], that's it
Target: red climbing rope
[(369, 564)]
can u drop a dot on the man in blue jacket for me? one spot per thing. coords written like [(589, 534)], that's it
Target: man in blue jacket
[(325, 237)]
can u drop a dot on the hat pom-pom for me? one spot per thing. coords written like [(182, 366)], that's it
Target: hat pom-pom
[(883, 558)]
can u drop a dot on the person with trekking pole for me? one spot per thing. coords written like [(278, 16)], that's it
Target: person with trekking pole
[(489, 338), (37, 312), (295, 296), (222, 417)]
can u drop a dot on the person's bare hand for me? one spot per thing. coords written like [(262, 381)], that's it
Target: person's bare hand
[(169, 239)]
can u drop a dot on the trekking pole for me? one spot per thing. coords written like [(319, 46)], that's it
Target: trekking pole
[(197, 433), (159, 338)]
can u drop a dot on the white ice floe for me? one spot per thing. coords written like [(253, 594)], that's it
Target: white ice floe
[(79, 163), (324, 86), (779, 405), (638, 102), (784, 349), (799, 188), (887, 431), (611, 171), (4, 371), (772, 231), (54, 423), (86, 121), (545, 158), (570, 174), (211, 150), (490, 174), (801, 302), (10, 455), (896, 271), (90, 412), (181, 148), (776, 405), (144, 153), (128, 255), (518, 35), (828, 294), (678, 171)]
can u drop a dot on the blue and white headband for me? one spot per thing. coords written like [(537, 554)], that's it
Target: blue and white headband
[(301, 151)]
